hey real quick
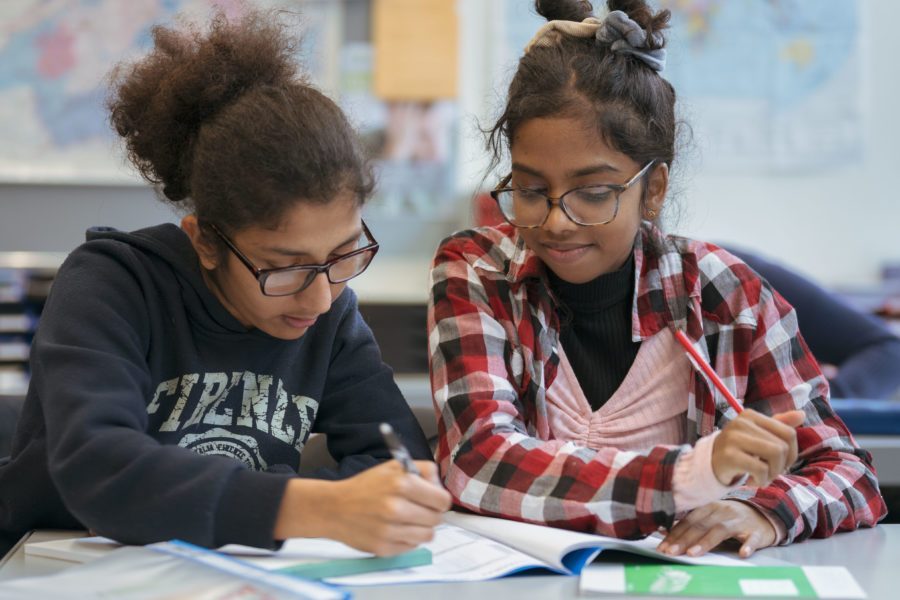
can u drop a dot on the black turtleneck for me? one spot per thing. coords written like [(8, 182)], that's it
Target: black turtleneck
[(595, 331)]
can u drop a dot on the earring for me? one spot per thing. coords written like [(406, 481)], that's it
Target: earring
[(651, 213)]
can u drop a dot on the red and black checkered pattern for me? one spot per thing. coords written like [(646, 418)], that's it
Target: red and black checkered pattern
[(493, 335)]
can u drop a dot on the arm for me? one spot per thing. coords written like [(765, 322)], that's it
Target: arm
[(490, 458), (832, 486), (360, 393), (91, 376), (862, 348)]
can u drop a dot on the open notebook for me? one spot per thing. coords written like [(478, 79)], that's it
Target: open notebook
[(474, 548), (465, 548)]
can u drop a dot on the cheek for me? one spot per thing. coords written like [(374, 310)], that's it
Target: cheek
[(530, 237)]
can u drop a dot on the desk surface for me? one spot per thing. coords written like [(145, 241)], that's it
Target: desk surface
[(870, 554)]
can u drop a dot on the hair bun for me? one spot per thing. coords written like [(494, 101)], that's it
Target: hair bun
[(564, 10), (641, 13), (159, 103)]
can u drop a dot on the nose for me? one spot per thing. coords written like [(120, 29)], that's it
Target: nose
[(316, 297), (557, 221)]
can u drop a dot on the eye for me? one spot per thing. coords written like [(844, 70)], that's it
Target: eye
[(529, 194), (594, 195)]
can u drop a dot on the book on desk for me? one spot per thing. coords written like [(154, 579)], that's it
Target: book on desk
[(465, 548)]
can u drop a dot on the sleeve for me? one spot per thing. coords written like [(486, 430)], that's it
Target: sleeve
[(91, 374), (360, 393), (490, 462), (862, 348), (832, 487)]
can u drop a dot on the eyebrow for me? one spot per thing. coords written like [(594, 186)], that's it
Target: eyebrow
[(591, 170), (297, 253)]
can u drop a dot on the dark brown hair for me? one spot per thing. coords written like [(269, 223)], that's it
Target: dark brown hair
[(226, 125), (631, 105)]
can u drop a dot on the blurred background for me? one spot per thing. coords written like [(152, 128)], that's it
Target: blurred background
[(790, 138)]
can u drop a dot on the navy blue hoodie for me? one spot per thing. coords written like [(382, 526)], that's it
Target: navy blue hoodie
[(154, 414)]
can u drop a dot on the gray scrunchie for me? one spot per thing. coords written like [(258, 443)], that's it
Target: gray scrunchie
[(627, 37), (618, 30)]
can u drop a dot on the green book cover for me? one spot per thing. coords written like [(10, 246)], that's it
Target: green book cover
[(355, 566), (722, 582)]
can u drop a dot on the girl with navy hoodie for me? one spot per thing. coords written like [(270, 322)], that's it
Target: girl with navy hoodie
[(179, 371)]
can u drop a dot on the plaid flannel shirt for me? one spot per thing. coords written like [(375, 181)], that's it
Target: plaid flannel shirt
[(493, 339)]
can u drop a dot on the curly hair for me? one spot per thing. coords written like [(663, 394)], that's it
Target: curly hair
[(224, 123)]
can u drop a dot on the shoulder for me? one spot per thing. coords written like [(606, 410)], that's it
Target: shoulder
[(729, 290), (484, 248)]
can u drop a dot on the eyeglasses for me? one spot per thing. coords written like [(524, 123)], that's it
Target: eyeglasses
[(588, 205), (286, 281)]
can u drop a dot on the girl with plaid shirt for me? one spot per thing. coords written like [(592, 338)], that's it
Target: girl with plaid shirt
[(561, 394)]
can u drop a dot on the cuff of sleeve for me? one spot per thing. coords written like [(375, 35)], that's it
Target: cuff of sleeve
[(694, 483), (249, 507), (777, 524)]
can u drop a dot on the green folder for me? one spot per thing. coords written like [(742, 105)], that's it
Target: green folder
[(721, 582), (354, 566)]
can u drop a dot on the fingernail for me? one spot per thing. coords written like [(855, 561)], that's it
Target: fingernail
[(695, 550), (673, 549)]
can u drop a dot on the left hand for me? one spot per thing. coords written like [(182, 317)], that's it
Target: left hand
[(706, 527)]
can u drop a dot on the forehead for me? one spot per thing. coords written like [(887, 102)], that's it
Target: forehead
[(570, 141), (308, 228)]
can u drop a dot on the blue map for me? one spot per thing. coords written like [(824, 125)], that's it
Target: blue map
[(766, 85), (54, 61)]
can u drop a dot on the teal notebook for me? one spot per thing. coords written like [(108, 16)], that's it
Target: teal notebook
[(356, 566)]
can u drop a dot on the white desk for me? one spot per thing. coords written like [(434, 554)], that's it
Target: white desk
[(885, 451), (870, 554)]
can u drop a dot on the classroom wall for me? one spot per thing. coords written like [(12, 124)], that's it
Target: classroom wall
[(838, 226)]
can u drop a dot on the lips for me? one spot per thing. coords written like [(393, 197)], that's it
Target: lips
[(566, 253), (299, 322)]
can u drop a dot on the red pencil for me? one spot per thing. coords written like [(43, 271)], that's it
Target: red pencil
[(704, 366)]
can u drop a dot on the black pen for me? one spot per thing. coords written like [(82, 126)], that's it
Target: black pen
[(398, 450)]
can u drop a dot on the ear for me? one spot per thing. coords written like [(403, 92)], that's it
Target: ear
[(657, 186), (206, 252)]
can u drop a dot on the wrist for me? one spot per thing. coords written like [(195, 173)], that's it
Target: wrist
[(305, 509)]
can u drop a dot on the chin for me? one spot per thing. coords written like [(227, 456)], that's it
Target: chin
[(574, 274), (286, 333)]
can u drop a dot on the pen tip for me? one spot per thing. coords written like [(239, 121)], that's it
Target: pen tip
[(385, 429)]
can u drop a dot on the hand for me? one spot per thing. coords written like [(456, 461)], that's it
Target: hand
[(763, 447), (706, 527), (382, 510)]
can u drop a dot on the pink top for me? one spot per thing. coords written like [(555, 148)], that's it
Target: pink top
[(648, 409)]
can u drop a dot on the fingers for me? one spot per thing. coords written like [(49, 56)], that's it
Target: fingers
[(406, 512), (791, 418), (708, 526), (397, 539), (674, 542), (741, 462), (751, 544), (754, 437), (424, 492), (772, 425), (703, 537), (429, 471), (782, 425)]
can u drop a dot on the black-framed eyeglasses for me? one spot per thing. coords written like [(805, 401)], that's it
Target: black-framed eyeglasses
[(286, 281), (587, 205)]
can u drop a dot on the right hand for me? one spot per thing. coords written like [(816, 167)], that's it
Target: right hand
[(754, 444), (385, 510)]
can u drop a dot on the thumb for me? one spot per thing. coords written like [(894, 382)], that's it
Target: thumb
[(792, 418)]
